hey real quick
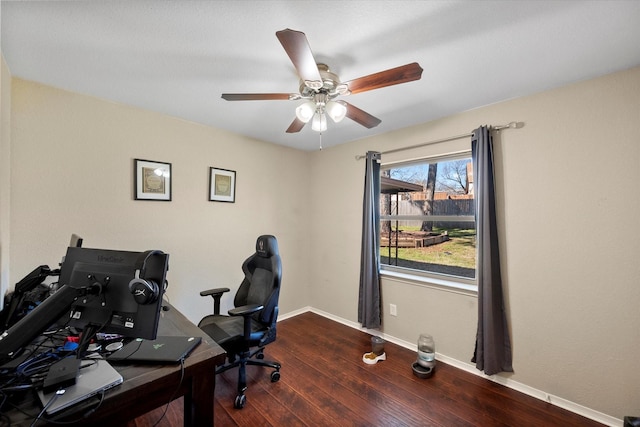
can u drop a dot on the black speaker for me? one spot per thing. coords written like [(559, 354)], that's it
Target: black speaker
[(144, 291)]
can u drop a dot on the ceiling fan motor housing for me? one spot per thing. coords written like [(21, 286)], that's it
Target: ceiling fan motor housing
[(331, 86)]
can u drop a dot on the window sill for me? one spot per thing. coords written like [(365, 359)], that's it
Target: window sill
[(443, 284)]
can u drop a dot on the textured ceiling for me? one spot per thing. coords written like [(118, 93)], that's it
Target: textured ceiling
[(178, 57)]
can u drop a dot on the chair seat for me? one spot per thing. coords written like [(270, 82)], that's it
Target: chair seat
[(228, 331)]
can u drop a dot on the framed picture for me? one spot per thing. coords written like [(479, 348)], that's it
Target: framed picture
[(222, 185), (152, 180)]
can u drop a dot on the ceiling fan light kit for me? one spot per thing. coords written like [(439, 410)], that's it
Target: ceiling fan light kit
[(305, 111), (319, 123), (319, 87), (318, 110), (337, 110)]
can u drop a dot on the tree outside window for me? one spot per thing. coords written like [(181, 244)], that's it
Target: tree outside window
[(427, 217)]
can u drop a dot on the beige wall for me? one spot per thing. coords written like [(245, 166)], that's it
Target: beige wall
[(72, 172), (5, 174), (567, 188), (567, 192)]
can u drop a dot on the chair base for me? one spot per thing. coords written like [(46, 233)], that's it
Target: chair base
[(244, 359)]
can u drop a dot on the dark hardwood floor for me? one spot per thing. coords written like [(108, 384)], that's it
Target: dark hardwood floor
[(325, 382)]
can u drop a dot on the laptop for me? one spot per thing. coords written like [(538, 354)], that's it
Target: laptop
[(92, 379), (164, 349)]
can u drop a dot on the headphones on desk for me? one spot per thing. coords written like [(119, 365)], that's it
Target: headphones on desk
[(144, 291)]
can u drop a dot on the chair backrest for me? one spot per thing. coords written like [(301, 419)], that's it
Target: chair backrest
[(262, 277)]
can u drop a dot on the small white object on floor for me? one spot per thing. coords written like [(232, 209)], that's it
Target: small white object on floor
[(372, 358)]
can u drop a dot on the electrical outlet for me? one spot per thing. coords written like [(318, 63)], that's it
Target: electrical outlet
[(393, 310)]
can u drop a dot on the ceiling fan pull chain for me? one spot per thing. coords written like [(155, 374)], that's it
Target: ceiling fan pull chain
[(320, 141)]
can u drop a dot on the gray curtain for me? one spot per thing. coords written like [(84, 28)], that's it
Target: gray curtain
[(369, 305), (493, 346)]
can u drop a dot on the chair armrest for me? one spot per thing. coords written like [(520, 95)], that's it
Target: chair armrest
[(245, 310), (213, 292), (216, 294)]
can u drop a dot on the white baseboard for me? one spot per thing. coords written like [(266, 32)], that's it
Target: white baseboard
[(468, 367), (293, 313)]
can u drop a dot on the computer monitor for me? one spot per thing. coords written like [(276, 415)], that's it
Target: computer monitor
[(118, 292), (124, 290)]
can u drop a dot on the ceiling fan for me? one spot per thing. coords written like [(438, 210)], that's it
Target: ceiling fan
[(320, 87)]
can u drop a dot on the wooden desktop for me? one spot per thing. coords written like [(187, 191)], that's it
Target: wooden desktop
[(147, 387)]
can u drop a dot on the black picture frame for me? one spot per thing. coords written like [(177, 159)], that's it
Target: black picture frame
[(152, 180), (222, 185)]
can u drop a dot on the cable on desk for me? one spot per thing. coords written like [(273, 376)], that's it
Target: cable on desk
[(166, 408), (139, 341), (35, 362), (30, 374), (77, 420), (4, 399), (53, 398)]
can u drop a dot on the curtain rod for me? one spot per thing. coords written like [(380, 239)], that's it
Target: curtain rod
[(512, 125)]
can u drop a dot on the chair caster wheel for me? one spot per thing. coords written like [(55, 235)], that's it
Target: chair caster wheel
[(275, 376), (260, 356), (240, 401)]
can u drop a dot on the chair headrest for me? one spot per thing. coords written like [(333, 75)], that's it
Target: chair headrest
[(266, 246)]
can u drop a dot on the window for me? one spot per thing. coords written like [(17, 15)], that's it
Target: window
[(427, 221)]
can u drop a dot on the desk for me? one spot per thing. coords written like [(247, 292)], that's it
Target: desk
[(149, 387)]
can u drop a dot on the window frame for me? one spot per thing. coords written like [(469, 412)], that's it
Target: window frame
[(457, 284)]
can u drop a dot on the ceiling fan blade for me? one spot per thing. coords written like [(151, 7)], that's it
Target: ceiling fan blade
[(393, 76), (255, 96), (296, 126), (297, 47), (361, 116)]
